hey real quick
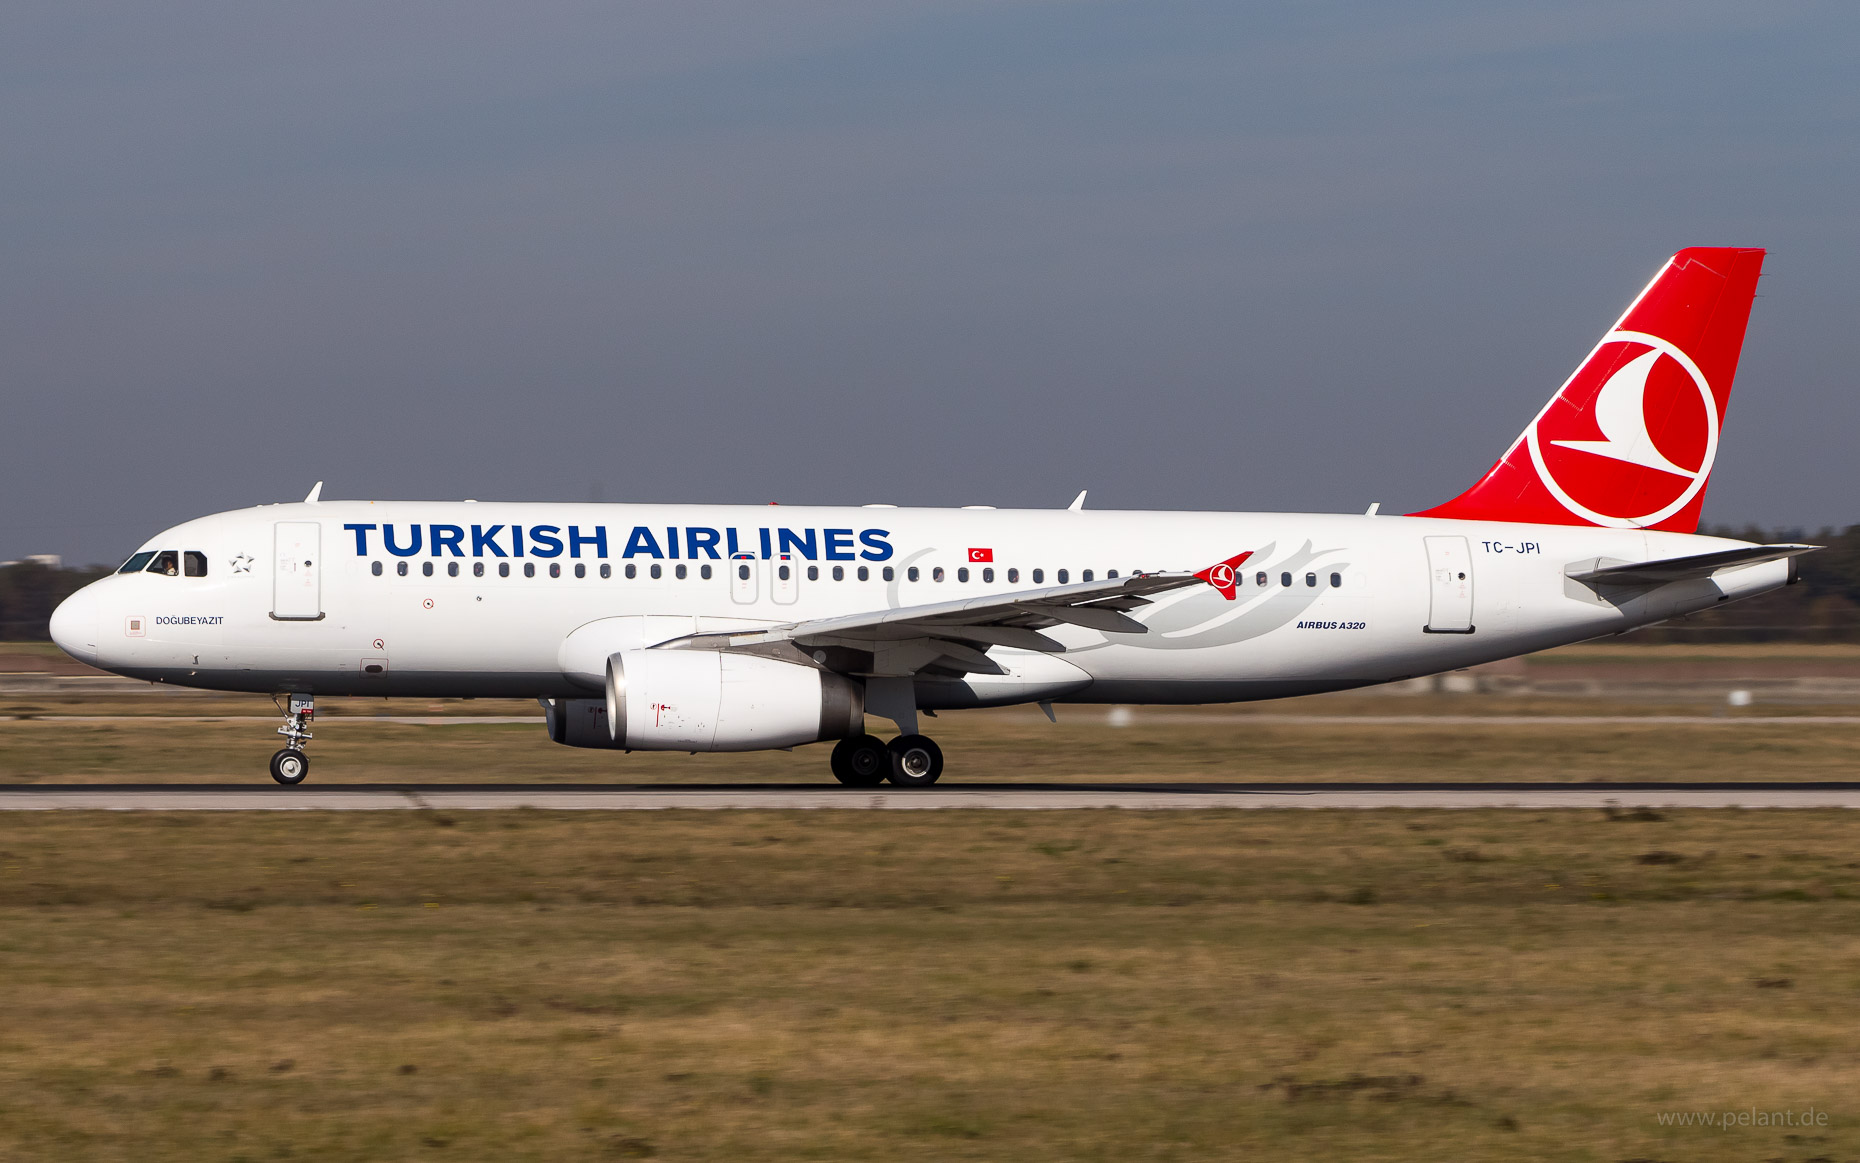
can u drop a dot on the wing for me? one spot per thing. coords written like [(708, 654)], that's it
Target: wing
[(1672, 569), (954, 637)]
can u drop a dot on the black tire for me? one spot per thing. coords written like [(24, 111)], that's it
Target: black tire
[(861, 761), (916, 761), (290, 766)]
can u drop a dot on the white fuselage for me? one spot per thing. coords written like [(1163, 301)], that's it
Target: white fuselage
[(312, 597)]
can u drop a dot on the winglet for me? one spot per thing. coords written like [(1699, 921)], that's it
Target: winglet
[(1221, 574), (1078, 502), (314, 494)]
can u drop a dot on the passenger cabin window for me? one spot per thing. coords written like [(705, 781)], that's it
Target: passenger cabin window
[(1063, 575), (529, 569), (477, 569), (988, 575), (632, 571), (503, 569), (1085, 575), (813, 573), (426, 567), (889, 573), (1013, 577), (452, 569), (607, 571), (678, 571), (657, 571), (936, 574), (783, 572), (555, 569), (703, 571), (400, 568), (911, 574), (865, 574), (839, 573), (166, 562), (375, 568), (742, 572), (1311, 579), (581, 570), (137, 562), (1285, 579), (194, 563), (1336, 579), (1039, 576), (1260, 580), (962, 575)]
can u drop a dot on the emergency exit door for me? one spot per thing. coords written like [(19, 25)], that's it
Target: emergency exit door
[(743, 570), (1450, 586), (297, 572)]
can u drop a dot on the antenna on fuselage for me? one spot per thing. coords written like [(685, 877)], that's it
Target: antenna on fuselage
[(314, 494)]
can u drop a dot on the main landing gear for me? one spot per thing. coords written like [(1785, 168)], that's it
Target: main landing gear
[(291, 765), (907, 761)]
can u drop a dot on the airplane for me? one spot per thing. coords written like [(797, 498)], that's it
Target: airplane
[(733, 628)]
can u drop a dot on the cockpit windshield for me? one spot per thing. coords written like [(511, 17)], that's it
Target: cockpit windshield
[(135, 563), (168, 562)]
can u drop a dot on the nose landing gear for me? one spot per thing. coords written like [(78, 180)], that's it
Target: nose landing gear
[(291, 765)]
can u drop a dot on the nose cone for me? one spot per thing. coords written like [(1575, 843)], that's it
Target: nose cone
[(74, 626)]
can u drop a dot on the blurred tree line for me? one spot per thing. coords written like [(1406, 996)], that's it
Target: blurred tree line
[(30, 591), (1824, 606)]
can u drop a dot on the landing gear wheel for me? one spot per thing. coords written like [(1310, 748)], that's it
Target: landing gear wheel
[(916, 761), (861, 761), (289, 767)]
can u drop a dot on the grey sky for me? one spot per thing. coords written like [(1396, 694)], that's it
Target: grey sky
[(1187, 255)]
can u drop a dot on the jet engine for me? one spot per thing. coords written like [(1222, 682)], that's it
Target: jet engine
[(708, 700)]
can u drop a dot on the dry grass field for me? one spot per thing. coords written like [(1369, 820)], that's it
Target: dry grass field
[(1017, 745), (134, 735), (847, 985)]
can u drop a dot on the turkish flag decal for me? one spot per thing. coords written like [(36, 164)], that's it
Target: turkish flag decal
[(981, 555)]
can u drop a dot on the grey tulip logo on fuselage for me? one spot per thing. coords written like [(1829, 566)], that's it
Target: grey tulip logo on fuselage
[(1179, 625)]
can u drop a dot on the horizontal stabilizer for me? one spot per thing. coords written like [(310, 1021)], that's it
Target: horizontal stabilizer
[(1672, 569)]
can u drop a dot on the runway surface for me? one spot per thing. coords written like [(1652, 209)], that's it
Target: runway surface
[(1024, 797), (1148, 717)]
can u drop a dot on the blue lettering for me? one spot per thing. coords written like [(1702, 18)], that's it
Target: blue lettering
[(671, 541), (704, 539), (805, 545), (734, 551), (483, 539), (765, 544), (516, 540), (546, 535), (642, 541), (878, 548), (839, 544), (361, 538), (577, 539), (448, 537), (387, 537)]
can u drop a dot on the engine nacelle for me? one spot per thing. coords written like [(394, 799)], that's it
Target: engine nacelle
[(707, 700)]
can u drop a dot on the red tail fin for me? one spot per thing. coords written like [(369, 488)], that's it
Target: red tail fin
[(1629, 440)]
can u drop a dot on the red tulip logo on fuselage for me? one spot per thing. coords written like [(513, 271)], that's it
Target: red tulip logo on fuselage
[(1630, 440)]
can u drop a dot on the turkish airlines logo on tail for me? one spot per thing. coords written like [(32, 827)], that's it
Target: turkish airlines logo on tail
[(1630, 440)]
